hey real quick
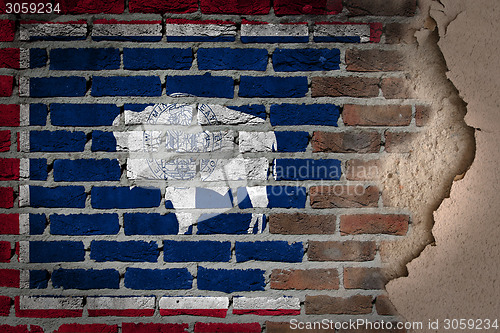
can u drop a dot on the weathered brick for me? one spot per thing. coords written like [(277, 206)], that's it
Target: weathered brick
[(71, 86), (246, 7), (422, 115), (126, 86), (346, 142), (272, 86), (230, 280), (341, 251), (301, 224), (133, 31), (5, 251), (86, 170), (400, 142), (201, 85), (398, 33), (57, 141), (56, 197), (350, 86), (363, 170), (376, 115), (152, 279), (150, 224), (381, 7), (374, 60), (85, 59), (161, 6), (302, 114), (317, 279), (384, 306), (6, 85), (4, 141), (125, 197), (83, 114), (300, 7), (56, 251), (293, 60), (269, 251), (227, 328), (7, 30), (344, 196), (9, 278), (186, 251), (129, 251), (235, 59), (307, 169), (9, 168), (9, 115), (5, 303), (391, 224), (354, 305), (84, 224), (92, 6), (364, 278), (151, 59), (6, 197), (9, 58), (86, 279), (395, 87)]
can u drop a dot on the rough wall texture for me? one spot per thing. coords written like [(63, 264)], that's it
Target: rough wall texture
[(185, 169), (462, 266)]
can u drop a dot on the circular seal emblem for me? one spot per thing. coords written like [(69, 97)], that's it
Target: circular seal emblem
[(181, 141)]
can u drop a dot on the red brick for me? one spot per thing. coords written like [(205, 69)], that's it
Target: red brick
[(284, 327), (248, 7), (20, 329), (9, 278), (422, 115), (344, 196), (345, 86), (5, 303), (398, 33), (400, 142), (153, 328), (229, 328), (5, 251), (391, 224), (77, 328), (301, 224), (9, 224), (92, 6), (374, 60), (9, 115), (346, 142), (9, 58), (363, 278), (6, 85), (300, 7), (354, 305), (381, 7), (384, 306), (9, 169), (396, 88), (316, 279), (376, 115), (6, 197), (341, 251), (7, 30), (4, 143), (363, 170), (163, 6)]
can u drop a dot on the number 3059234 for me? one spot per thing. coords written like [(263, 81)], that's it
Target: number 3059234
[(31, 8)]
